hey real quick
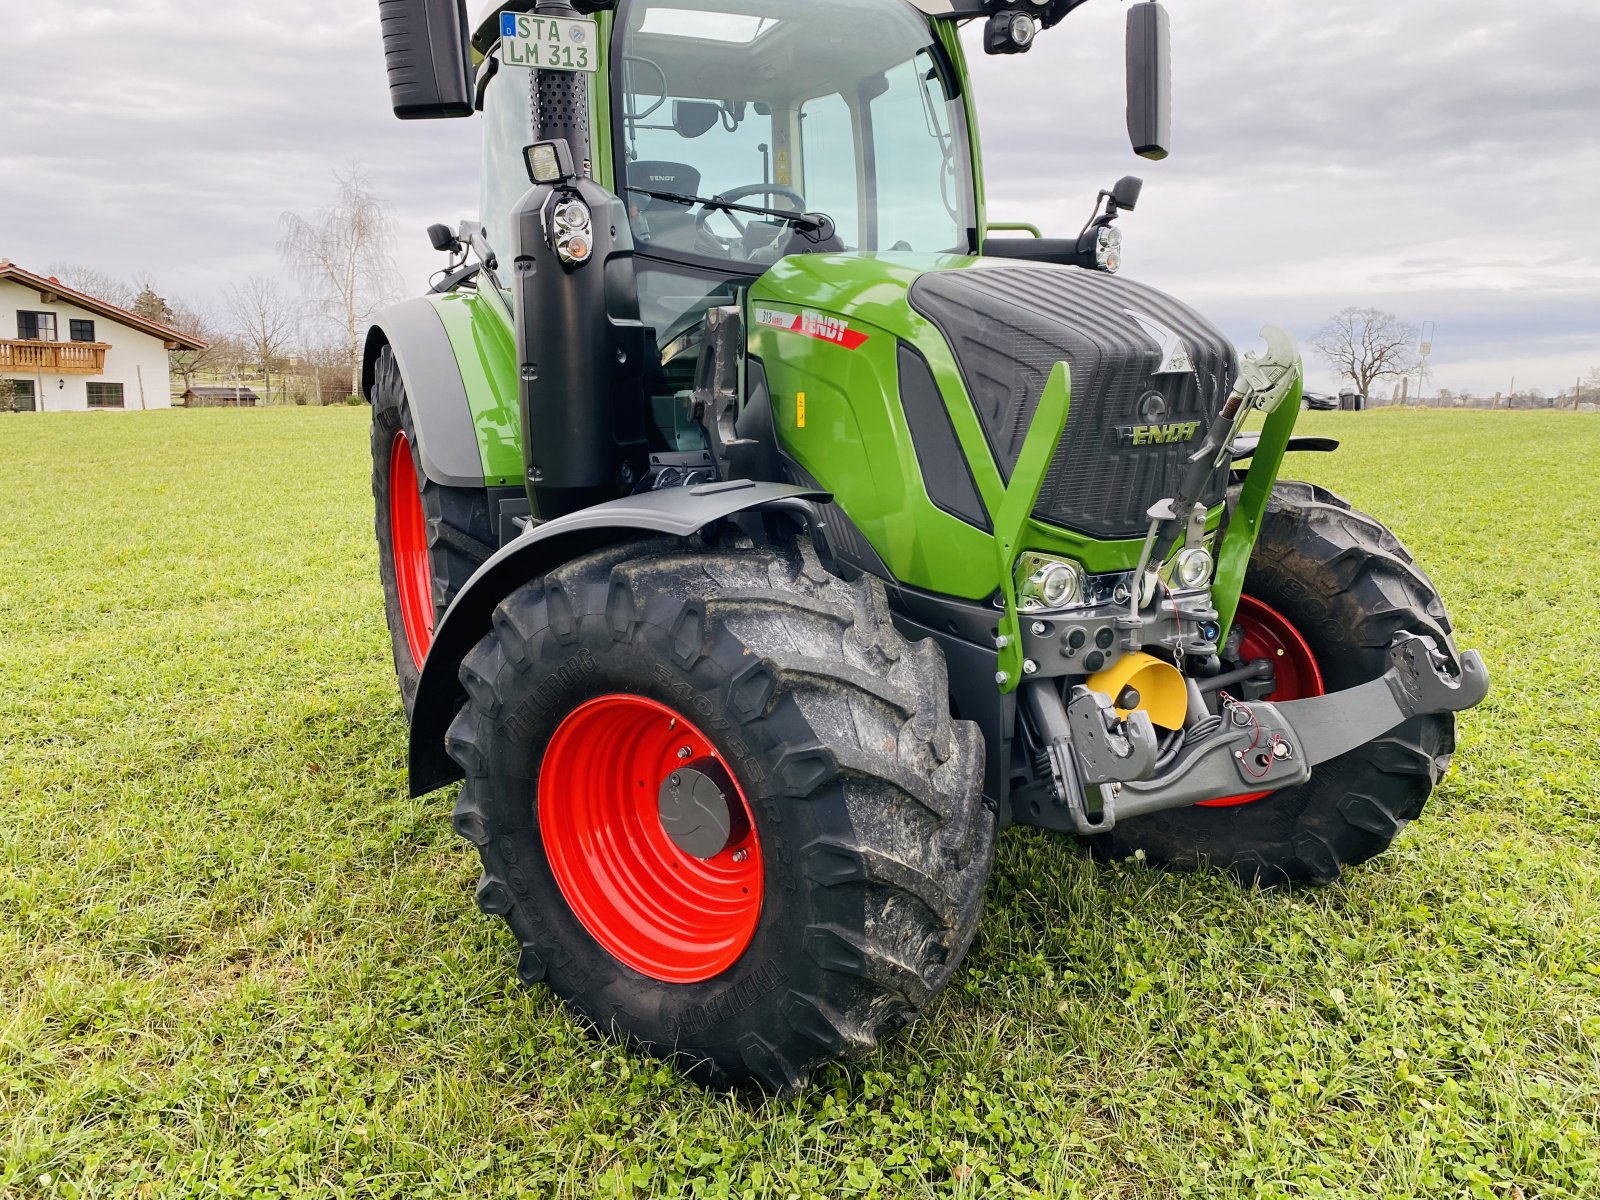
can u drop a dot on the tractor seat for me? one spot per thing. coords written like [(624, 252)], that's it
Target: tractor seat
[(668, 223)]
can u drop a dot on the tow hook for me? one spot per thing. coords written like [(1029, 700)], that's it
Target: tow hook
[(1256, 747)]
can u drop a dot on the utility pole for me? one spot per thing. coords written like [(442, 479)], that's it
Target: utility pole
[(1577, 394), (1424, 349)]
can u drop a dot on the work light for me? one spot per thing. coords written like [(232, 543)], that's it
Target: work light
[(1192, 569), (550, 162), (1049, 583)]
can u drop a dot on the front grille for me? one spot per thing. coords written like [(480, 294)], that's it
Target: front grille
[(1009, 325)]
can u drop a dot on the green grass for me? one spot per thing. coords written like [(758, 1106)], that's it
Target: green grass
[(235, 959)]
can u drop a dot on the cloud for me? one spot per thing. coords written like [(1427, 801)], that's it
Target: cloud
[(1435, 158)]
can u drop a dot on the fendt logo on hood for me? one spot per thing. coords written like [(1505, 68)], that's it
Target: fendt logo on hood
[(1156, 431)]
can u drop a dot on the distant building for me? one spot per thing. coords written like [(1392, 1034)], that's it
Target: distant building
[(73, 353), (221, 397)]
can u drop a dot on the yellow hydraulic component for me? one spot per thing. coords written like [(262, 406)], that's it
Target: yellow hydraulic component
[(1162, 691)]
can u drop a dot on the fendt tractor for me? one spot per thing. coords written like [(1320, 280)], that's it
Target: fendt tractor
[(762, 531)]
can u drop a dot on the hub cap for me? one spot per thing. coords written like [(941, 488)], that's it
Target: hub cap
[(408, 536), (1270, 635), (650, 839)]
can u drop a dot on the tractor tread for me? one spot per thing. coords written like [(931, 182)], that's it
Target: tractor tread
[(859, 754)]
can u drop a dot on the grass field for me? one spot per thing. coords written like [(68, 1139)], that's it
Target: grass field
[(236, 960)]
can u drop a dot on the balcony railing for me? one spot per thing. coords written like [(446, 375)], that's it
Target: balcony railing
[(54, 358)]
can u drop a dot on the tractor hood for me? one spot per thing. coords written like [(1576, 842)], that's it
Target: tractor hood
[(1148, 374)]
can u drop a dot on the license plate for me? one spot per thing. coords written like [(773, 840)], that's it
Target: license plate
[(549, 43)]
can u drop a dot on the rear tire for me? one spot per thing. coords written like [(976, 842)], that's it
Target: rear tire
[(863, 798), (1348, 586), (431, 538)]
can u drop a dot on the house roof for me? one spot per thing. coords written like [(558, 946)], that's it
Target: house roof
[(51, 290)]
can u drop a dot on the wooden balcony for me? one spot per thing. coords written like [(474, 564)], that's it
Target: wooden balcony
[(54, 358)]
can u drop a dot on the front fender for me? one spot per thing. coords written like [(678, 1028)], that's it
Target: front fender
[(447, 439), (678, 512)]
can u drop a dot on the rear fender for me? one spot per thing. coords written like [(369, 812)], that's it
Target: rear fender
[(446, 436), (679, 512)]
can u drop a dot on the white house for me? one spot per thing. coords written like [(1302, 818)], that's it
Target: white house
[(72, 352)]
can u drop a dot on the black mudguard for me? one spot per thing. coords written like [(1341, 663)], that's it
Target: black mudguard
[(447, 439), (677, 512)]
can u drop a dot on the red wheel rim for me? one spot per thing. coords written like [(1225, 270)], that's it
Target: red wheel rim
[(408, 538), (1270, 635), (653, 906)]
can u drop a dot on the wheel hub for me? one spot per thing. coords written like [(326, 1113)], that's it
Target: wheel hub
[(696, 810), (650, 839)]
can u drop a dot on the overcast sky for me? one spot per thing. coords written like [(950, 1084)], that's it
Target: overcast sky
[(1438, 158)]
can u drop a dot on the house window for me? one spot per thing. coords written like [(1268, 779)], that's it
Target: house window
[(83, 331), (105, 395), (36, 326), (20, 395)]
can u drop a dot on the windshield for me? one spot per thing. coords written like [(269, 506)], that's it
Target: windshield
[(835, 107)]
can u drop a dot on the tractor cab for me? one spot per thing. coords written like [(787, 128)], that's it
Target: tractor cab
[(851, 112)]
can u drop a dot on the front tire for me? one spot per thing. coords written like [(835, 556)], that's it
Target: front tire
[(845, 882), (1331, 587), (431, 538)]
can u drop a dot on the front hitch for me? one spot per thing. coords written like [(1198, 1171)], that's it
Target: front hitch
[(1257, 747)]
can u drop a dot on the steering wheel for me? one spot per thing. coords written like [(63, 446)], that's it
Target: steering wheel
[(733, 196)]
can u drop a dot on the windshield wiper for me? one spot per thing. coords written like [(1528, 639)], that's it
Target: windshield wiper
[(808, 223)]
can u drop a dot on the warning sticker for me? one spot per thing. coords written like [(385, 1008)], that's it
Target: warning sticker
[(814, 325)]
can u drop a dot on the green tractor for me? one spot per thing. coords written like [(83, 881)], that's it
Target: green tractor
[(761, 533)]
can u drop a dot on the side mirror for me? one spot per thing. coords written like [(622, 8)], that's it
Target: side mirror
[(1150, 80), (695, 118), (428, 47)]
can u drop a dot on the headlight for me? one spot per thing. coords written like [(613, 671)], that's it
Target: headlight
[(1045, 584), (1108, 250), (572, 217), (1192, 569)]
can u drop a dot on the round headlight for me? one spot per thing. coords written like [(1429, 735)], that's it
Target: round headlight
[(1192, 569), (572, 217), (1023, 30), (1053, 584)]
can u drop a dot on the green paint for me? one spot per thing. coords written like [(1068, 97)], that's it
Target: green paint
[(949, 35), (1233, 559), (600, 137), (855, 441), (1014, 227), (486, 352), (1011, 521)]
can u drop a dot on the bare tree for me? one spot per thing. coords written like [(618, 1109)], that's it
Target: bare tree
[(264, 318), (1366, 344), (1588, 390), (99, 284), (200, 325), (342, 257)]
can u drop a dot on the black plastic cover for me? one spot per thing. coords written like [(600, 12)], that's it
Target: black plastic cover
[(946, 474), (581, 350), (1128, 429)]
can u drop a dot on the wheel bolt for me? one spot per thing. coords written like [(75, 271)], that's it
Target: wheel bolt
[(740, 856), (685, 753)]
